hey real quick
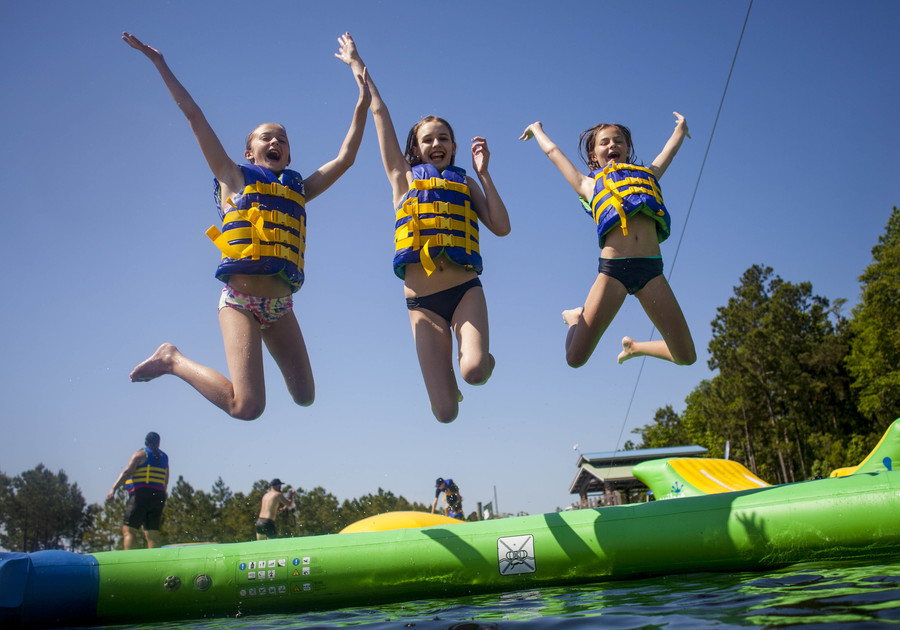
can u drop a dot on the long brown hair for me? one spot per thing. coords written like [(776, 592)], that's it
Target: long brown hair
[(412, 154)]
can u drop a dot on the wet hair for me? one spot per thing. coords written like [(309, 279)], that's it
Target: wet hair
[(587, 141), (412, 145), (152, 441)]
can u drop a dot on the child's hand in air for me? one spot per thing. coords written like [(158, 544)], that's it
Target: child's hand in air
[(480, 154), (681, 122), (347, 50), (529, 131), (365, 95), (152, 54)]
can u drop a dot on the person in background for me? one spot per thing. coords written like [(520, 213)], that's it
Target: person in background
[(454, 507), (273, 502), (145, 478)]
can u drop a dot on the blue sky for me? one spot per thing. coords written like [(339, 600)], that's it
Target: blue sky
[(108, 198)]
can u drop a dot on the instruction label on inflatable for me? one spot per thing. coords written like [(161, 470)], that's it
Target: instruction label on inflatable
[(515, 555)]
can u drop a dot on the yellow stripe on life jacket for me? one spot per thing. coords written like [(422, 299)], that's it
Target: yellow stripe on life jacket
[(617, 190), (265, 241), (274, 189), (409, 234), (145, 475), (439, 183)]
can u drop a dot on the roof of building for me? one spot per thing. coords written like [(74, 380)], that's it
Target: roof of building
[(639, 455), (612, 469)]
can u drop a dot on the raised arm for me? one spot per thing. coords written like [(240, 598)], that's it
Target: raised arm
[(488, 205), (328, 173), (582, 184), (286, 502), (222, 166), (395, 165), (662, 161)]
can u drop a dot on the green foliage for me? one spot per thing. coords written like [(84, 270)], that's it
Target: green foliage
[(372, 504), (224, 516), (106, 532), (42, 510), (666, 430), (781, 398), (874, 358), (315, 512)]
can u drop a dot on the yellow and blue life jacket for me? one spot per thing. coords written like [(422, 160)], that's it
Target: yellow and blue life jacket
[(622, 190), (435, 217), (153, 474), (263, 226), (454, 501)]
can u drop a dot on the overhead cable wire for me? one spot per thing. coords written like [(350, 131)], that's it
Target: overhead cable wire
[(690, 207)]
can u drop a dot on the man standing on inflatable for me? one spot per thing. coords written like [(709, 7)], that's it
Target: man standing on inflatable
[(273, 502), (145, 478)]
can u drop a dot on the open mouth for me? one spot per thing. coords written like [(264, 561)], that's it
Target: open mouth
[(273, 154)]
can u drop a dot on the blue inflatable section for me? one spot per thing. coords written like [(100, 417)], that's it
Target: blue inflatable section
[(40, 589)]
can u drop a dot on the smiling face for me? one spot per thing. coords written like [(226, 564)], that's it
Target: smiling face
[(431, 141), (605, 143), (610, 145), (435, 144), (268, 146)]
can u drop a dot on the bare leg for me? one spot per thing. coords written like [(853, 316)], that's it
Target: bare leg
[(470, 323), (246, 398), (130, 537), (676, 344), (285, 343), (434, 347), (153, 538), (587, 324), (261, 536)]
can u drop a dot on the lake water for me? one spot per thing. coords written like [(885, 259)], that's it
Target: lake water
[(811, 596)]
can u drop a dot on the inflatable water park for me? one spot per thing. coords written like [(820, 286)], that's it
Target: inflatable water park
[(712, 515)]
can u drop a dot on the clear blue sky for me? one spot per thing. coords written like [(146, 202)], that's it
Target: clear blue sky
[(108, 197)]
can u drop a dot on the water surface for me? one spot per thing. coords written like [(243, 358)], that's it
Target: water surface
[(810, 596)]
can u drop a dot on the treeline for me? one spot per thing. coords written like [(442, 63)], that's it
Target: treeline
[(40, 509), (800, 389)]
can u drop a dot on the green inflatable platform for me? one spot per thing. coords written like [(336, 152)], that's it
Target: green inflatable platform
[(851, 517)]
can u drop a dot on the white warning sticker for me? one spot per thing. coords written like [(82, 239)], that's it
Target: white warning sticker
[(515, 555)]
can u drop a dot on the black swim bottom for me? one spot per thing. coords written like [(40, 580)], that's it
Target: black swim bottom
[(145, 508), (634, 273), (266, 527), (444, 302)]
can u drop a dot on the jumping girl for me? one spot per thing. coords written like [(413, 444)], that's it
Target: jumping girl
[(627, 206), (263, 236), (437, 245)]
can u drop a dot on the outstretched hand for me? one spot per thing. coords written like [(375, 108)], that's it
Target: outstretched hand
[(347, 50), (681, 122), (529, 131), (362, 80), (481, 155), (151, 53)]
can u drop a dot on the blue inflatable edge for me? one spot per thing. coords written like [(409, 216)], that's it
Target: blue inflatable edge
[(43, 587)]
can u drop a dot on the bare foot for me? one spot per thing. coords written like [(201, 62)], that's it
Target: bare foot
[(627, 350), (159, 363), (572, 315)]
